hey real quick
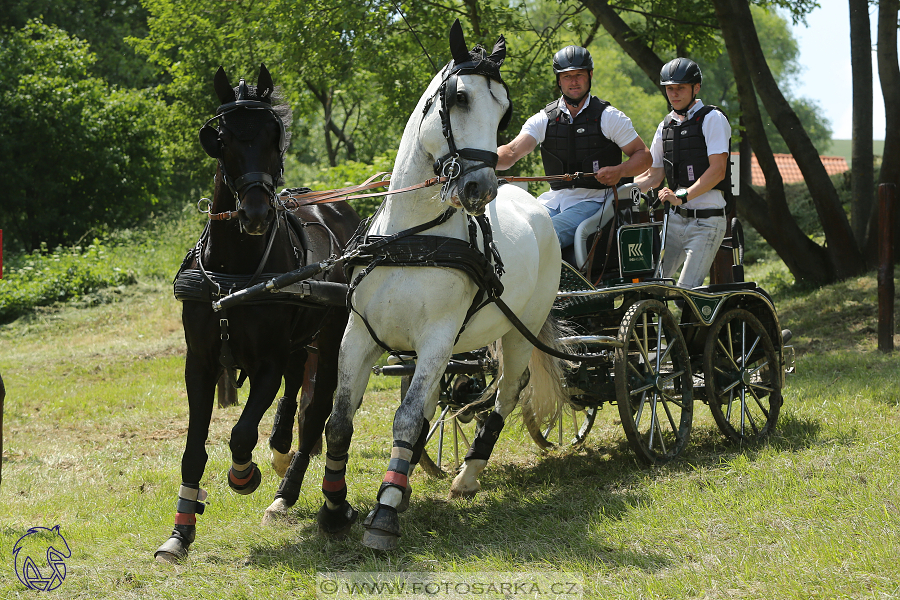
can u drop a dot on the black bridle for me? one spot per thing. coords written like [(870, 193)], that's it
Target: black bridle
[(209, 140), (448, 165)]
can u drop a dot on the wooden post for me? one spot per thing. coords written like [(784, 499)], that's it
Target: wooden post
[(886, 192)]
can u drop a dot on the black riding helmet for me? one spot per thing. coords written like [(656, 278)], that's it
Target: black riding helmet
[(678, 71), (572, 58)]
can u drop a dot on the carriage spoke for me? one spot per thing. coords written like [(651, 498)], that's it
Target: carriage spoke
[(728, 355)]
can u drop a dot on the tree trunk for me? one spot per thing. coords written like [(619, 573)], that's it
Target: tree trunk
[(862, 172), (889, 75), (770, 216), (844, 254)]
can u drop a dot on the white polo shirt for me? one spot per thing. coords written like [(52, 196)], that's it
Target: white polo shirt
[(613, 124), (717, 132)]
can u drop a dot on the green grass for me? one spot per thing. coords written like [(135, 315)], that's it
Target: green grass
[(96, 414)]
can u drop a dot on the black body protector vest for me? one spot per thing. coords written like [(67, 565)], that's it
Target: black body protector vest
[(685, 153), (577, 146)]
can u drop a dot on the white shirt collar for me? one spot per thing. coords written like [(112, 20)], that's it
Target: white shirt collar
[(565, 107), (691, 111)]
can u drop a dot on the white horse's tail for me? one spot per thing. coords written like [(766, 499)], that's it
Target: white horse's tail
[(544, 397)]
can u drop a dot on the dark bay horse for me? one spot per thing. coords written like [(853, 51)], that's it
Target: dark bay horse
[(250, 238)]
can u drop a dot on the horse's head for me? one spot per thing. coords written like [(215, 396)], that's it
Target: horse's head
[(249, 144), (462, 117)]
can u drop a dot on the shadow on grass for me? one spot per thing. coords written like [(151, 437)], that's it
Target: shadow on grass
[(556, 511)]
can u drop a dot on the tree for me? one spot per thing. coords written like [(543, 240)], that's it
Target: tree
[(889, 75), (863, 177), (104, 24), (75, 154)]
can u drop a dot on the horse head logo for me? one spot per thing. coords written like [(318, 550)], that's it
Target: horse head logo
[(39, 558)]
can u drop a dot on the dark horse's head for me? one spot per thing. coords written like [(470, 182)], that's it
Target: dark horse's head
[(249, 144)]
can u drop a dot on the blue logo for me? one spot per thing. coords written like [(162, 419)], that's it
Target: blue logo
[(39, 558)]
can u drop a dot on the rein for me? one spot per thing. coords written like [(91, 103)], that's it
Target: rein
[(287, 200)]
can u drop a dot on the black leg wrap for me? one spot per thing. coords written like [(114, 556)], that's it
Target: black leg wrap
[(283, 426), (337, 522), (487, 436), (289, 489), (249, 486), (419, 446)]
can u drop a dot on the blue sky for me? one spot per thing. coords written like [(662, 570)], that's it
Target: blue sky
[(826, 77)]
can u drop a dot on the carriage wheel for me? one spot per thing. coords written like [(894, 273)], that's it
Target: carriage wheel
[(570, 427), (743, 383), (653, 383)]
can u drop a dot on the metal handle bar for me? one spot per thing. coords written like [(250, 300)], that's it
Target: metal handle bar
[(273, 285)]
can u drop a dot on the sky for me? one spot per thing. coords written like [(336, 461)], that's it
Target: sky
[(826, 78)]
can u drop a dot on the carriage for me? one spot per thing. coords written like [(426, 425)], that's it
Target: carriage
[(507, 281), (726, 348)]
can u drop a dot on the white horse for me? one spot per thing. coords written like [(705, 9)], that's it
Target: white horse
[(422, 309)]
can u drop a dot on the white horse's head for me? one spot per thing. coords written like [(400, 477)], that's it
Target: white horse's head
[(465, 105)]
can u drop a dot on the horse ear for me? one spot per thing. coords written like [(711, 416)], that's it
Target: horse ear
[(223, 89), (499, 53), (458, 48), (264, 85)]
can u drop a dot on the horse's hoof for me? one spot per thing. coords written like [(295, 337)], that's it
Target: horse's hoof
[(281, 462), (276, 512), (248, 484), (382, 528), (174, 550), (460, 491), (336, 523), (404, 501)]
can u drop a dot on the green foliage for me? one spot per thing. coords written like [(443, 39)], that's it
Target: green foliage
[(43, 277), (75, 154), (104, 24), (347, 173), (76, 274)]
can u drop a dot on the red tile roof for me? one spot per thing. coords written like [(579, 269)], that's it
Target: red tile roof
[(790, 172)]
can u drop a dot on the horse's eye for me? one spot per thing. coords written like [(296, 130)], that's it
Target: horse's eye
[(461, 98)]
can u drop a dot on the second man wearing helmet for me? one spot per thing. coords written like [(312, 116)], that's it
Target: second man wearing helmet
[(578, 132), (690, 149)]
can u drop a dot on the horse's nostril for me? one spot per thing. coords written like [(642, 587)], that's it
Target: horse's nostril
[(471, 190)]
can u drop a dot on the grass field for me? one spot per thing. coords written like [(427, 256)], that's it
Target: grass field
[(94, 429)]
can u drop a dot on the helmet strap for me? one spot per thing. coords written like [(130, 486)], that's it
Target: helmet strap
[(685, 110)]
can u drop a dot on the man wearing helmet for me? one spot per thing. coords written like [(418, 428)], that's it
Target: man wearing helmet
[(691, 149), (578, 132)]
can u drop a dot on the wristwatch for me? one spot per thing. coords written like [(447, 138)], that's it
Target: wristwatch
[(681, 194)]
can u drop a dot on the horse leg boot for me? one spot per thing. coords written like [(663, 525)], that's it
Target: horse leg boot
[(336, 515), (382, 524), (191, 502)]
